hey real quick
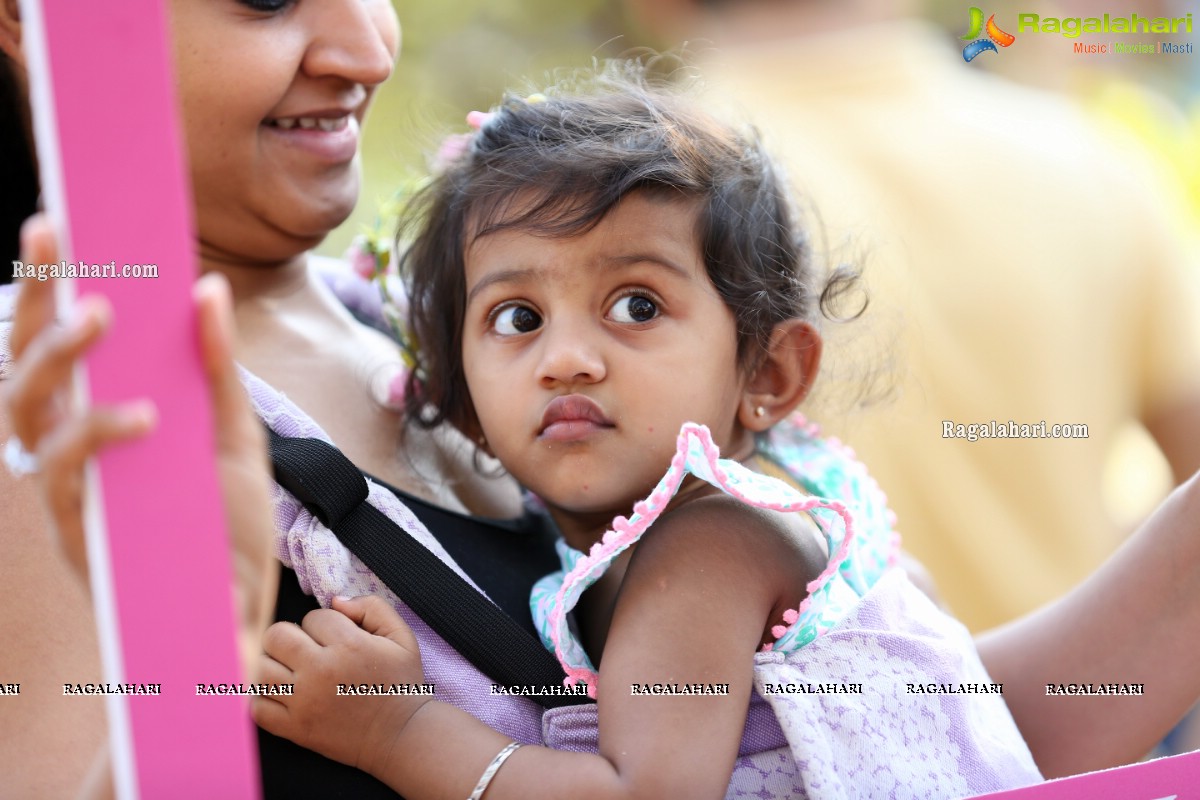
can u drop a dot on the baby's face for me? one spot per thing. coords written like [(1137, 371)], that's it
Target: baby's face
[(585, 355)]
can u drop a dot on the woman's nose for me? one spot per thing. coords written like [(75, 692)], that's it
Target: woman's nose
[(355, 40)]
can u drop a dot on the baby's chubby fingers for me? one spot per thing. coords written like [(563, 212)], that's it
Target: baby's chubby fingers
[(271, 711), (360, 642), (325, 653), (328, 628), (377, 616), (289, 645), (274, 673)]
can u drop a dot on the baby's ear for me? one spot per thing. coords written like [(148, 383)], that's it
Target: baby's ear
[(784, 377)]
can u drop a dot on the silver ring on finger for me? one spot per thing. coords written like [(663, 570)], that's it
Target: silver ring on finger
[(20, 462)]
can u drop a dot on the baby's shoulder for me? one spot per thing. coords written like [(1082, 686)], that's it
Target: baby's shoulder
[(719, 532)]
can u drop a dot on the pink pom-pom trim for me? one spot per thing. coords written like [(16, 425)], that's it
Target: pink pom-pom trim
[(625, 532)]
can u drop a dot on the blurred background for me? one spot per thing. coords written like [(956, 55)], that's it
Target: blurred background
[(461, 55)]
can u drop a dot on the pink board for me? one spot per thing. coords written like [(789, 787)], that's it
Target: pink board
[(1175, 778), (115, 183)]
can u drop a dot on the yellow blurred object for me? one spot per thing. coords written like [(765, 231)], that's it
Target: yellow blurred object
[(1171, 136)]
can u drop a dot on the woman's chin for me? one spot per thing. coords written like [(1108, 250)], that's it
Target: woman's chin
[(306, 228), (309, 210), (319, 212), (276, 225), (265, 246)]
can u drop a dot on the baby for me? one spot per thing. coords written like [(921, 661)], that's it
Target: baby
[(612, 296)]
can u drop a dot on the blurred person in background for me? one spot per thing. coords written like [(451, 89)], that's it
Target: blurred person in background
[(1038, 264)]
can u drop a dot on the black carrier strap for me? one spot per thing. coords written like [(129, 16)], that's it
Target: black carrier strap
[(334, 491)]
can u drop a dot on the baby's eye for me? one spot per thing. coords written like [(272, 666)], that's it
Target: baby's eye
[(634, 308), (512, 320)]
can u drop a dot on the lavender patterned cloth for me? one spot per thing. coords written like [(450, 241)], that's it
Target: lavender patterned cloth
[(885, 742), (927, 722)]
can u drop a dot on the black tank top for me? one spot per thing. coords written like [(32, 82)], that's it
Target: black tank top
[(502, 557)]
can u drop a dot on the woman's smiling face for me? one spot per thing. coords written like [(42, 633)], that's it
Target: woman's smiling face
[(273, 95)]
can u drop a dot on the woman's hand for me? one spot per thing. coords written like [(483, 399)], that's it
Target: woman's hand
[(39, 393), (332, 654), (64, 437)]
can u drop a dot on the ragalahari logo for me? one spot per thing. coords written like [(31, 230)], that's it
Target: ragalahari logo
[(995, 36)]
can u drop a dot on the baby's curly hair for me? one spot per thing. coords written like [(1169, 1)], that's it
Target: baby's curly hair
[(571, 155)]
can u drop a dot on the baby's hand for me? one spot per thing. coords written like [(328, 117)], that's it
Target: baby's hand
[(359, 641)]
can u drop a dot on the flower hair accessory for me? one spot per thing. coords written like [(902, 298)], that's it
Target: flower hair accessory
[(371, 255), (477, 119), (456, 145)]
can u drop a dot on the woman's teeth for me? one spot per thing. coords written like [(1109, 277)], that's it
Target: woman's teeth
[(311, 123)]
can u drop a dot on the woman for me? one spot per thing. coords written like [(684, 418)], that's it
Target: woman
[(267, 190), (261, 204)]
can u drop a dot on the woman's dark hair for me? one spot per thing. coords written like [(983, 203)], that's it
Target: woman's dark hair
[(18, 168), (571, 156)]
